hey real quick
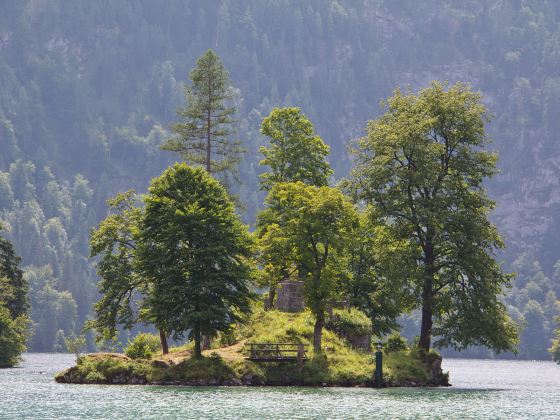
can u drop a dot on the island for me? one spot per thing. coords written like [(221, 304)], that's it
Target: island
[(347, 359)]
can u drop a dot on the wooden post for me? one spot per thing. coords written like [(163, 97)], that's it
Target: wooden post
[(300, 353)]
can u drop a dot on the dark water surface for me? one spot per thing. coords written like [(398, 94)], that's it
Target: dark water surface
[(482, 389)]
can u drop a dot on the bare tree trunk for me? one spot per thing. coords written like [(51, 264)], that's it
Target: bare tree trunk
[(163, 339), (208, 140)]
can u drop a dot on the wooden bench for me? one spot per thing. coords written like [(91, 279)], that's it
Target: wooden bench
[(277, 352)]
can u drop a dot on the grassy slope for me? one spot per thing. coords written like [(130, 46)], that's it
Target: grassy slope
[(340, 364)]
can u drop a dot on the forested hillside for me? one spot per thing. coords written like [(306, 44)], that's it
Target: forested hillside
[(88, 91)]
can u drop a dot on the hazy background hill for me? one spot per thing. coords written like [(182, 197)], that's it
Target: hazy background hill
[(88, 90)]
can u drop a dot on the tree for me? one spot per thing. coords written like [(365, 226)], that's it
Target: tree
[(296, 153), (75, 344), (422, 165), (16, 300), (12, 337), (195, 253), (123, 289), (555, 348), (202, 134), (372, 286), (13, 306), (315, 225)]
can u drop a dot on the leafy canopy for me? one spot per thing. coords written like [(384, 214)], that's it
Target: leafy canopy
[(313, 229), (296, 153), (421, 166), (195, 253)]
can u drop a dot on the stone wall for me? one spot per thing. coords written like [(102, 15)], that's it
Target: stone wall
[(290, 296)]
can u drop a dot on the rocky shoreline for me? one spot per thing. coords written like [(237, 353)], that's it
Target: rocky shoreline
[(119, 370)]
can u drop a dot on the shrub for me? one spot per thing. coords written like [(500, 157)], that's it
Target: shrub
[(349, 322), (12, 337), (555, 349), (396, 342), (143, 346)]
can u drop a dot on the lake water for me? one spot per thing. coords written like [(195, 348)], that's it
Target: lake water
[(482, 389)]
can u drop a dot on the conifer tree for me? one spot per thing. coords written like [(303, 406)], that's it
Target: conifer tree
[(202, 136)]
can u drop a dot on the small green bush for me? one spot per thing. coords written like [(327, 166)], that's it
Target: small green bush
[(349, 322), (396, 342), (143, 346), (555, 349)]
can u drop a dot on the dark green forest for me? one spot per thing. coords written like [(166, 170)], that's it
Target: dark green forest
[(89, 90)]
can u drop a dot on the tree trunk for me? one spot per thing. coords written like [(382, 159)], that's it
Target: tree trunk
[(206, 342), (427, 302), (163, 339), (208, 142), (271, 296), (426, 326), (318, 333), (197, 344)]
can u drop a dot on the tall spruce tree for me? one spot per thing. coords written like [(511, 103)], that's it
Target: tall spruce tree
[(206, 123), (422, 166)]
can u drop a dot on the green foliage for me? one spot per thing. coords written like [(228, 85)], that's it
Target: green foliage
[(13, 306), (106, 368), (12, 337), (295, 153), (349, 322), (555, 348), (395, 342), (96, 97), (54, 313), (114, 242), (315, 224), (422, 166), (13, 286), (195, 253), (75, 344), (202, 134), (143, 346), (375, 285)]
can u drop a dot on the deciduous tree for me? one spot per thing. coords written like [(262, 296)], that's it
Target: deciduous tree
[(195, 253), (295, 153), (123, 289), (315, 227), (422, 165)]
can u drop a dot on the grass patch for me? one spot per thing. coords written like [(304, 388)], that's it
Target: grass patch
[(338, 365)]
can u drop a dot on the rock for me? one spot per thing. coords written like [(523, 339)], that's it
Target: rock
[(137, 380), (119, 379), (159, 364)]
